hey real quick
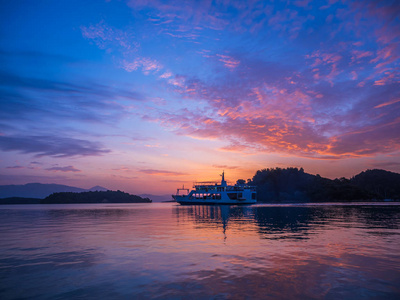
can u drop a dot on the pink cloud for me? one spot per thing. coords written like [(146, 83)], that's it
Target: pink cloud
[(147, 65), (327, 64), (166, 75), (388, 78), (357, 55), (177, 81), (228, 61), (105, 36), (386, 56)]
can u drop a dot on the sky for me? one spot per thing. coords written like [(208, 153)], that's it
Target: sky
[(145, 96)]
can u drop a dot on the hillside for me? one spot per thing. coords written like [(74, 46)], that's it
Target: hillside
[(384, 184), (294, 185)]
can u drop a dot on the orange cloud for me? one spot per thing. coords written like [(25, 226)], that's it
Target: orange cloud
[(387, 103)]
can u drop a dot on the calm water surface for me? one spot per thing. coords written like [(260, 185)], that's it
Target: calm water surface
[(165, 251)]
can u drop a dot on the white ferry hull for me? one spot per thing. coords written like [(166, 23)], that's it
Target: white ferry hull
[(186, 200)]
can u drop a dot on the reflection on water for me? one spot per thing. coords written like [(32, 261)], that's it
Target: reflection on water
[(168, 251)]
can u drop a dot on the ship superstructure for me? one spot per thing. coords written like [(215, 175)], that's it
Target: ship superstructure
[(217, 193)]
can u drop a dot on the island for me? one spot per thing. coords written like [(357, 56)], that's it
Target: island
[(93, 197)]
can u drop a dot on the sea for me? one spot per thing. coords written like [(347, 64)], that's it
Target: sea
[(168, 251)]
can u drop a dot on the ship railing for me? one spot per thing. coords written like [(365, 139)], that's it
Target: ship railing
[(205, 184), (209, 184)]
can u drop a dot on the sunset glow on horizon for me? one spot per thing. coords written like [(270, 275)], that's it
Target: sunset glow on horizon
[(145, 96)]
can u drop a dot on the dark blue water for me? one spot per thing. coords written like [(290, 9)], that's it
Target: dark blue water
[(165, 251)]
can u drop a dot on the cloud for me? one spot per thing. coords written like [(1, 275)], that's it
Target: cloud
[(122, 42), (23, 179), (32, 55), (29, 98), (325, 63), (387, 103), (161, 172), (228, 61), (357, 55), (63, 169), (225, 167), (146, 64), (304, 79), (125, 169), (273, 109), (15, 167), (142, 139), (107, 37), (166, 75), (53, 146)]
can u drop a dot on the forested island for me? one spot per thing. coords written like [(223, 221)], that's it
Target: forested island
[(77, 198), (294, 185), (94, 197)]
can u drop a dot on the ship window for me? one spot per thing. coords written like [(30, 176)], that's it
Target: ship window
[(218, 196), (232, 196), (240, 195), (253, 196)]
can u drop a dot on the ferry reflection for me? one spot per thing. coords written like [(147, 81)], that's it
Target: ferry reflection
[(289, 221), (270, 222), (215, 216)]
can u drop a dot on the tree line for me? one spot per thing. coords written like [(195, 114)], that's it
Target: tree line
[(295, 185)]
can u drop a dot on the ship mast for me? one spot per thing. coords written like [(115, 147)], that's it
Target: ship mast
[(223, 182)]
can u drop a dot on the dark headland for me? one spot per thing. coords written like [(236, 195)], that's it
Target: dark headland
[(295, 185)]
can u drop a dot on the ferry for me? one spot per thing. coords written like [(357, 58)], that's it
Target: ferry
[(215, 193)]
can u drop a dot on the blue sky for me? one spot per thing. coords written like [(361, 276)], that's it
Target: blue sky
[(143, 96)]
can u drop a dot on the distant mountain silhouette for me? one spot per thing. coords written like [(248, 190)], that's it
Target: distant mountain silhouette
[(97, 188), (40, 190)]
